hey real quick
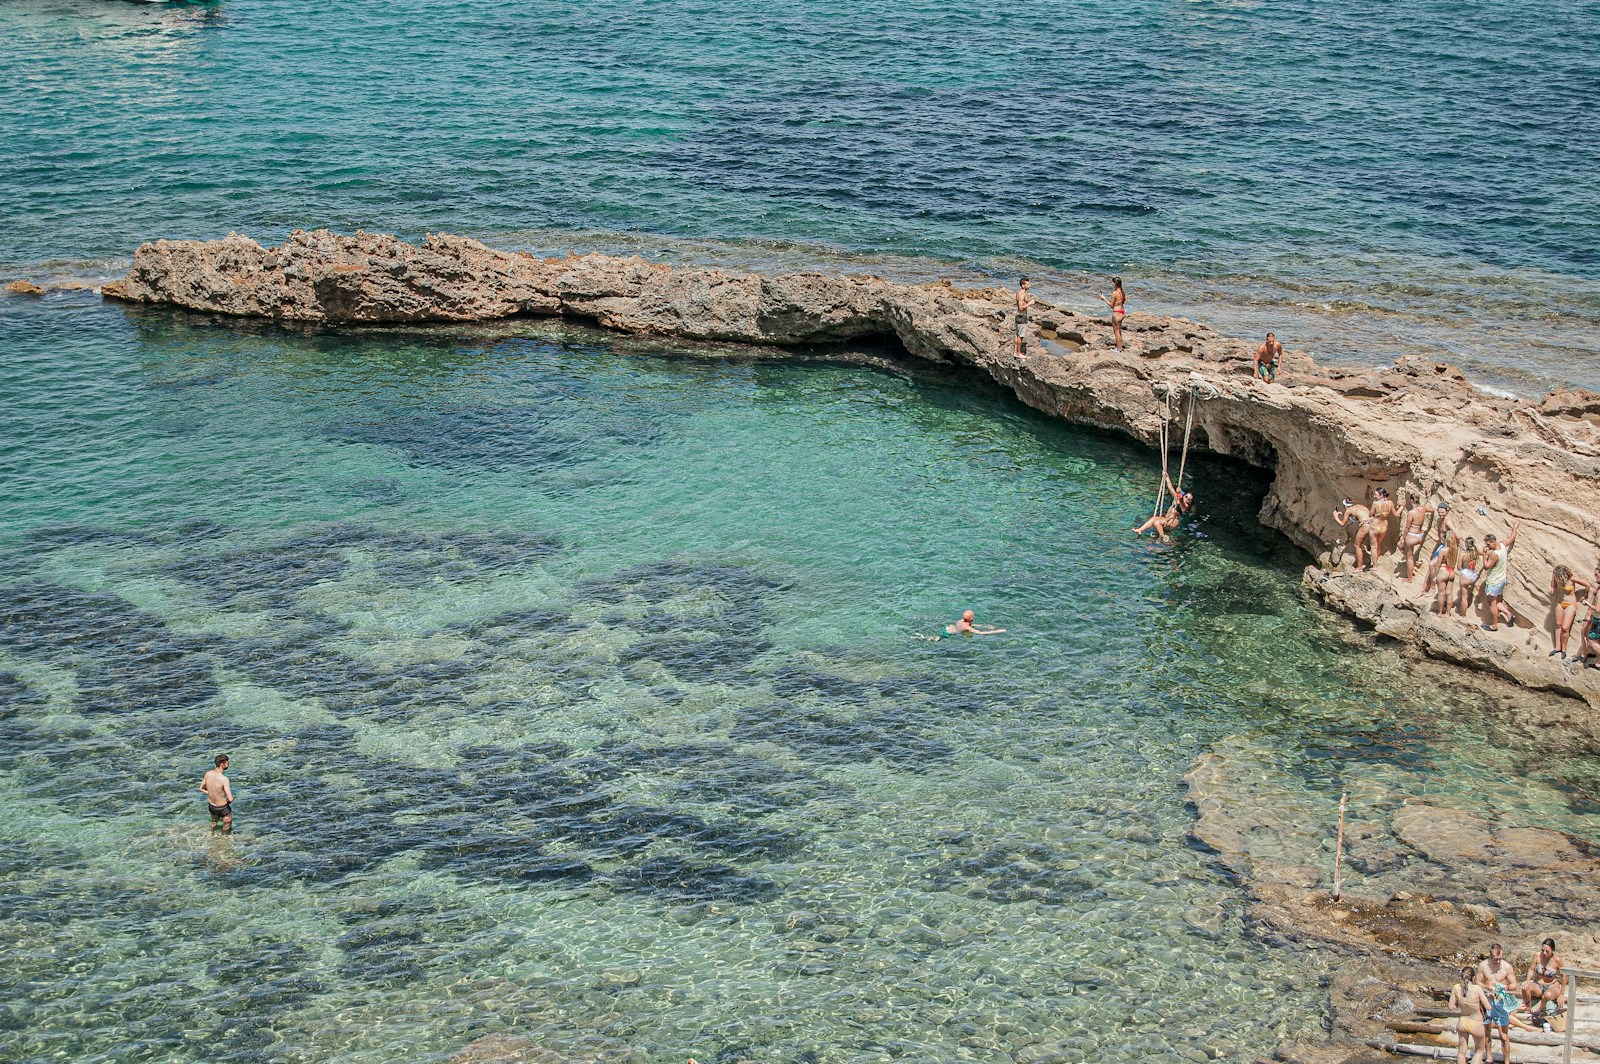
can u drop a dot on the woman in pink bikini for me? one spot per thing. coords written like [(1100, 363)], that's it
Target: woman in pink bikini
[(1118, 302)]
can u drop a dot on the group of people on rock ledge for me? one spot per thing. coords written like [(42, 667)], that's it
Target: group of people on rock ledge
[(1489, 998), (1458, 570), (1264, 367)]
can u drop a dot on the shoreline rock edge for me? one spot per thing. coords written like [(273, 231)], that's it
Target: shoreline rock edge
[(1326, 432)]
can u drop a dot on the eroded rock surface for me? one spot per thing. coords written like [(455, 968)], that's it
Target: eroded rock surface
[(1328, 433)]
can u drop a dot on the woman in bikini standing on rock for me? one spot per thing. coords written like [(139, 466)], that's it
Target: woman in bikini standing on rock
[(1445, 577), (1382, 511), (1467, 576), (1470, 1002), (1565, 587), (1118, 302)]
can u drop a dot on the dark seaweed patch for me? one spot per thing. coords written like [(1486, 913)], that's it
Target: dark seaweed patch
[(798, 681), (822, 737), (259, 978), (520, 624), (56, 537), (655, 582), (127, 658), (259, 577), (680, 880), (749, 786), (396, 941), (1015, 873), (713, 659), (16, 696)]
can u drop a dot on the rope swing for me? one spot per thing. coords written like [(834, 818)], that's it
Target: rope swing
[(1165, 439)]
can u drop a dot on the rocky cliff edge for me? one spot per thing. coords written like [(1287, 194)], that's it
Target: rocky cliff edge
[(1328, 433)]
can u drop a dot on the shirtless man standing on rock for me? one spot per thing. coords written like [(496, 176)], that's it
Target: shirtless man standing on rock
[(1025, 301), (1267, 357), (219, 794), (1356, 514)]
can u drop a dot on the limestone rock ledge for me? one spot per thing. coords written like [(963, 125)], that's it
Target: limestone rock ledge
[(1326, 432)]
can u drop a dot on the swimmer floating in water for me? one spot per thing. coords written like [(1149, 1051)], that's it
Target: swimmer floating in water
[(964, 626)]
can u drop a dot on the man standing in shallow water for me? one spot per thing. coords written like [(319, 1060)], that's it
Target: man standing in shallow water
[(219, 794)]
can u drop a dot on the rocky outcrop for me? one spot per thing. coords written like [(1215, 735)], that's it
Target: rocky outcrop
[(1327, 433), (1472, 879)]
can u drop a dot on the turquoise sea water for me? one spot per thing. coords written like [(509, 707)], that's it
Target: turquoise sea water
[(572, 682), (1420, 177), (573, 692)]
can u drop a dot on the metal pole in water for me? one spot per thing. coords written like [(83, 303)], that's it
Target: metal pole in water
[(1338, 849), (1572, 1016)]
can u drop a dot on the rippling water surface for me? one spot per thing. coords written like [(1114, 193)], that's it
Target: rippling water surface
[(1421, 177), (572, 691)]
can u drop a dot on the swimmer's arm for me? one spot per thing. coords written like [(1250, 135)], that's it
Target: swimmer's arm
[(1339, 516), (987, 631), (1513, 537), (227, 788)]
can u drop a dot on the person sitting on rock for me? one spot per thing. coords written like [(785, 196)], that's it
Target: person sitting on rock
[(1565, 586), (1544, 989), (1496, 559), (1354, 513)]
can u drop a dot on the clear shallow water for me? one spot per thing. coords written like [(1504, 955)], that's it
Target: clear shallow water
[(572, 692), (1417, 178)]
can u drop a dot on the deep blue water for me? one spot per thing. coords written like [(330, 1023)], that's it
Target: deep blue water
[(1371, 180)]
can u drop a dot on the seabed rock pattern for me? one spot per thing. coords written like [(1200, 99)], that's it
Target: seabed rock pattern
[(1327, 433)]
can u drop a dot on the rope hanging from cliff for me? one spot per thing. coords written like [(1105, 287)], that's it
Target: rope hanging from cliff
[(1161, 488), (1188, 428)]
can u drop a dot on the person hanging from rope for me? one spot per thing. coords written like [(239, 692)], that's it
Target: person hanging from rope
[(1164, 523)]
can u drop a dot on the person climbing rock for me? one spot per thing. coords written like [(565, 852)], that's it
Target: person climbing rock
[(1496, 560), (1354, 513)]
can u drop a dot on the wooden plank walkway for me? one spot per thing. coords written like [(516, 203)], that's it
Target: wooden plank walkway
[(1431, 1032)]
